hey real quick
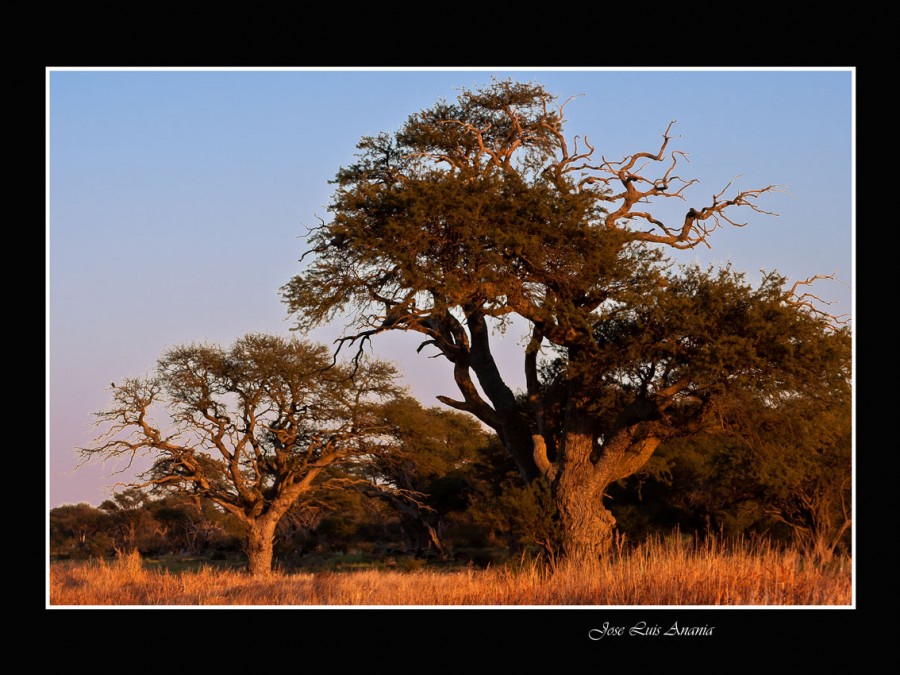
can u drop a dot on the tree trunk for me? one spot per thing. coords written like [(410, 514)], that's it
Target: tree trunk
[(260, 538), (587, 526), (434, 540), (824, 551), (517, 438), (512, 425), (584, 473), (422, 537)]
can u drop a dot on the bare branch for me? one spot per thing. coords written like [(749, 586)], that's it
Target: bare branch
[(811, 302), (638, 188)]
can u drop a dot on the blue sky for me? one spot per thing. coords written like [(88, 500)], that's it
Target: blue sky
[(178, 200)]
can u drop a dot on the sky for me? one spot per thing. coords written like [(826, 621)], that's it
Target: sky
[(178, 201)]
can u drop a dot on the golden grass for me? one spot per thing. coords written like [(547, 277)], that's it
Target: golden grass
[(657, 572)]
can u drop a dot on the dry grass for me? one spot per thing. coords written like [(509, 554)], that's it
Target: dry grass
[(658, 572)]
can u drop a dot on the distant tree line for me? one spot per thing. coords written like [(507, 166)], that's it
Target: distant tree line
[(457, 496)]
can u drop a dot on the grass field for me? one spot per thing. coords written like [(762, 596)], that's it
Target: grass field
[(658, 572)]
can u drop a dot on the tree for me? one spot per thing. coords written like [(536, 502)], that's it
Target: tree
[(133, 520), (425, 459), (794, 458), (522, 514), (779, 466), (253, 427), (80, 530), (482, 210)]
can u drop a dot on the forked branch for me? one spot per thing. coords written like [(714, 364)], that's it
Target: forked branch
[(813, 303), (625, 184)]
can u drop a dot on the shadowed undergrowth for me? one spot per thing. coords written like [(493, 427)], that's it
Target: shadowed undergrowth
[(668, 571)]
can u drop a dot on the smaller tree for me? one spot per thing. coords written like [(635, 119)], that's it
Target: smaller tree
[(251, 428), (797, 460), (133, 520), (79, 531), (777, 463), (422, 469)]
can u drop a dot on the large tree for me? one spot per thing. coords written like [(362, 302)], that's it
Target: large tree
[(483, 209), (252, 427)]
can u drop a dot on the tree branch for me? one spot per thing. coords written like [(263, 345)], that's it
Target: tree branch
[(810, 302)]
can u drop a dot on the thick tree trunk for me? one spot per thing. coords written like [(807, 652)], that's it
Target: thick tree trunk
[(587, 526), (260, 538), (584, 473)]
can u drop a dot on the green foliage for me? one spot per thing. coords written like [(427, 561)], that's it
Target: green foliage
[(522, 515), (779, 465), (439, 217), (79, 531), (680, 354), (798, 461), (134, 521), (423, 469), (435, 441)]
